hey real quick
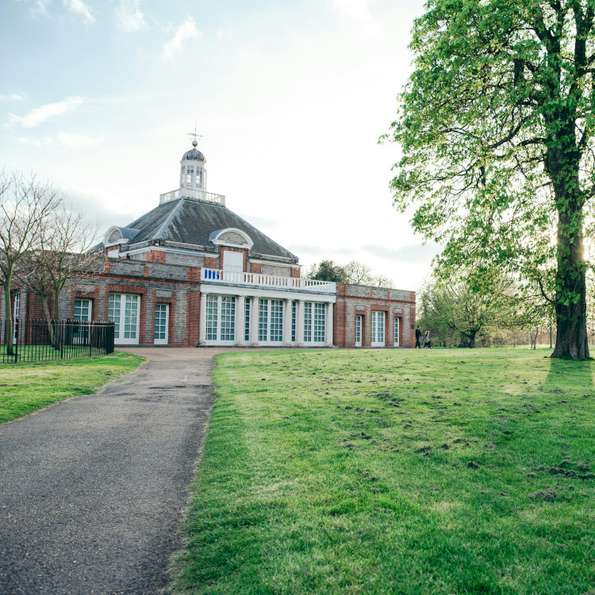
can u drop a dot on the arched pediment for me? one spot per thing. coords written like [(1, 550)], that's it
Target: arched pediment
[(232, 236), (119, 235)]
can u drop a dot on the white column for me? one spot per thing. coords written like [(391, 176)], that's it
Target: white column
[(287, 323), (240, 314), (254, 322), (300, 324), (329, 325), (203, 319)]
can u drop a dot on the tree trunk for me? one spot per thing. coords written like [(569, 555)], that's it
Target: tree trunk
[(572, 341), (8, 317), (48, 319), (468, 339)]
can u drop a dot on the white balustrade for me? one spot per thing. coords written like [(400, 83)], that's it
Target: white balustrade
[(263, 280), (193, 193)]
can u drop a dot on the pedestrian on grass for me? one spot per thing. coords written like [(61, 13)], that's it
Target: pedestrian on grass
[(417, 338)]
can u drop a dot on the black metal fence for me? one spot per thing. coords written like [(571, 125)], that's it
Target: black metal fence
[(38, 340)]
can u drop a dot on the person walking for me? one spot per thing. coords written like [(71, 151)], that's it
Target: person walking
[(428, 340), (417, 338)]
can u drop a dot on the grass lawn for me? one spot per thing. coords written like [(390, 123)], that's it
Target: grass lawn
[(444, 471), (27, 387)]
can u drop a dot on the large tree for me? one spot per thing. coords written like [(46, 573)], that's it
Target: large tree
[(496, 128), (61, 255)]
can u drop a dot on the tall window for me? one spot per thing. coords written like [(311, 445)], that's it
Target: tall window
[(161, 323), (131, 317), (319, 322), (270, 321), (82, 313), (276, 324), (228, 318), (308, 322), (294, 306), (123, 311), (247, 314), (113, 313), (359, 321), (396, 329), (378, 319), (212, 318), (263, 320), (315, 322), (82, 310), (221, 318)]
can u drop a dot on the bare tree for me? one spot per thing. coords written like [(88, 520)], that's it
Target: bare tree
[(25, 204), (62, 254)]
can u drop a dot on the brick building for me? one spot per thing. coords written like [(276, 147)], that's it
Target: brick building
[(191, 272)]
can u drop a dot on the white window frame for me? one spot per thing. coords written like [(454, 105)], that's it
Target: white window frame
[(378, 339), (311, 323), (89, 309), (164, 340), (120, 339), (81, 334), (269, 316), (396, 331), (218, 321), (359, 328)]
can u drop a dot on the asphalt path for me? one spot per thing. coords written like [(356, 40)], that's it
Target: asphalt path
[(91, 490)]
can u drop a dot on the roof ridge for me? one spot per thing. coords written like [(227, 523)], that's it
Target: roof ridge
[(168, 220)]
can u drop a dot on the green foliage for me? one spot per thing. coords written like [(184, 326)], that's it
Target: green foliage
[(328, 270), (353, 272), (394, 471), (480, 304), (496, 130)]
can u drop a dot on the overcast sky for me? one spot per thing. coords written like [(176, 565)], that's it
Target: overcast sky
[(98, 97)]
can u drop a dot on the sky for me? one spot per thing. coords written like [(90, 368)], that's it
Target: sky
[(98, 97)]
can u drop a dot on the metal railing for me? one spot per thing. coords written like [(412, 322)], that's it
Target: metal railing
[(264, 280), (38, 340), (194, 193)]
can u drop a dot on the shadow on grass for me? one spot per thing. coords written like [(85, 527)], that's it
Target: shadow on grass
[(565, 373)]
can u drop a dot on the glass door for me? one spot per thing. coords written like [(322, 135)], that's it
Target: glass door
[(378, 329), (359, 325), (396, 330), (123, 311), (161, 336), (82, 314)]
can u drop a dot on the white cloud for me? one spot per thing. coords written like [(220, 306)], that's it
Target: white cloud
[(185, 32), (11, 97), (41, 114), (129, 16), (65, 139), (80, 9)]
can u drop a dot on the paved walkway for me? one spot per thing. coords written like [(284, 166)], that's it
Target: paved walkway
[(91, 489)]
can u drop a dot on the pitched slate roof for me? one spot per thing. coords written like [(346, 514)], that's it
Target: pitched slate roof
[(192, 221)]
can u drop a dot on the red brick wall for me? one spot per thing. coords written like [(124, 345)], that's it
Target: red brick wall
[(156, 256), (355, 300), (211, 262)]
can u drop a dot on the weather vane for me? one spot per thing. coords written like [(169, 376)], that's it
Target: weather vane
[(195, 136)]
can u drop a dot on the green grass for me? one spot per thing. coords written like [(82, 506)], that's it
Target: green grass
[(27, 387), (451, 471)]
